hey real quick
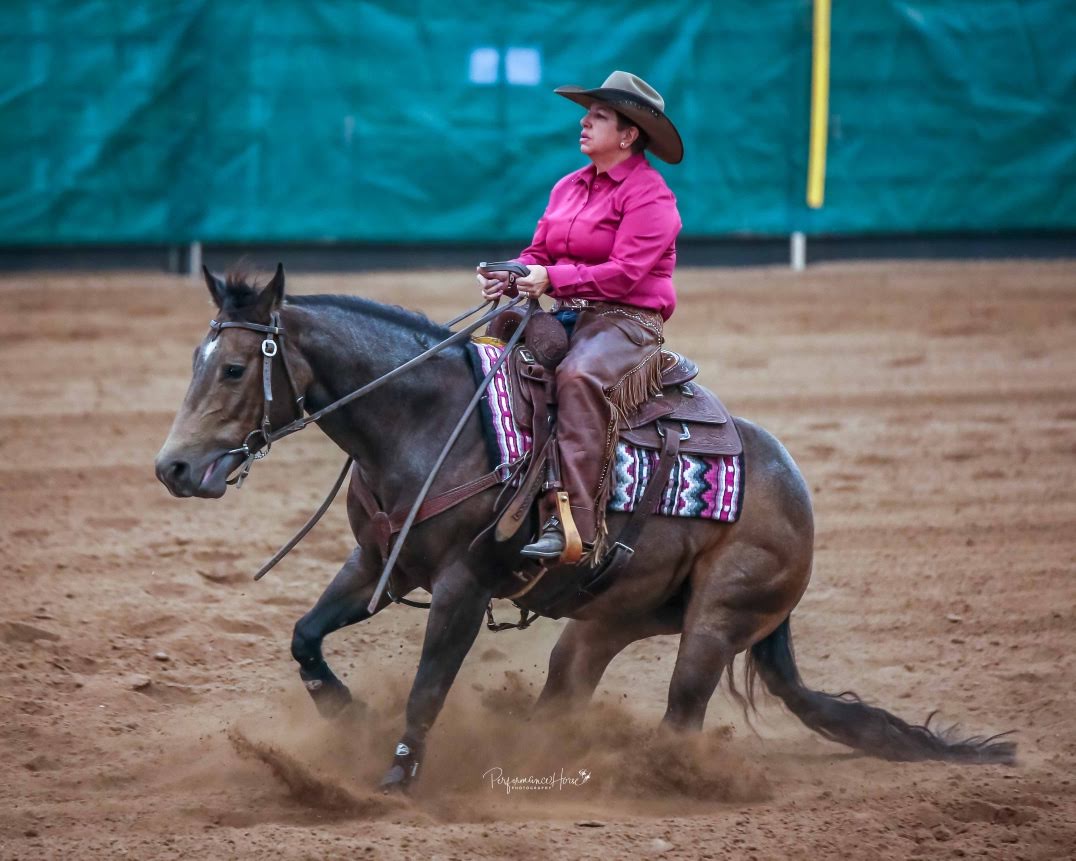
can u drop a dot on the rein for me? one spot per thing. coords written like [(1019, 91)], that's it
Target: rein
[(479, 393), (252, 452)]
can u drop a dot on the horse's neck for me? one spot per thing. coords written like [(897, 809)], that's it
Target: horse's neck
[(395, 432)]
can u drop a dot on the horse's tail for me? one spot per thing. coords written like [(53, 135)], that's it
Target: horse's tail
[(846, 719)]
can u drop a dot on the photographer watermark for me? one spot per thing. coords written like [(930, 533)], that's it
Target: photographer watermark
[(511, 783)]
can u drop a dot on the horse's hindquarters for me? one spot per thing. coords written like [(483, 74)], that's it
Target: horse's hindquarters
[(758, 566)]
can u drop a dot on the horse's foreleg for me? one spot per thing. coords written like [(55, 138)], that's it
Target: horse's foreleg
[(584, 650), (343, 603), (456, 612)]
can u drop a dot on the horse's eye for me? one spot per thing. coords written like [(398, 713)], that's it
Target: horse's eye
[(232, 372)]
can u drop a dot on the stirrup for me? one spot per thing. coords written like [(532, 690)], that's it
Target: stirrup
[(550, 543)]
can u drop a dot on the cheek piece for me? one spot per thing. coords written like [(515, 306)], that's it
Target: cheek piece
[(252, 448)]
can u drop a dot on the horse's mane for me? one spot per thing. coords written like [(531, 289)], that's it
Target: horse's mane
[(241, 290), (392, 314)]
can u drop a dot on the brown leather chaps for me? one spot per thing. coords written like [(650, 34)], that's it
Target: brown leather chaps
[(613, 366)]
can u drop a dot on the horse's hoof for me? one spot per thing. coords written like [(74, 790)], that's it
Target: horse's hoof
[(403, 771), (395, 781), (330, 698)]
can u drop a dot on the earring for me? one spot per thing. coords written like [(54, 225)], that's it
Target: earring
[(623, 144)]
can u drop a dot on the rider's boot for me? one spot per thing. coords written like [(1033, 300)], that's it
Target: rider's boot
[(550, 543)]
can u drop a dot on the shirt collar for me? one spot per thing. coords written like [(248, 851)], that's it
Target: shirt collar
[(622, 171), (618, 173)]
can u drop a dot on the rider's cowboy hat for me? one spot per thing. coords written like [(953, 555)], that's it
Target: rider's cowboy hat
[(633, 97)]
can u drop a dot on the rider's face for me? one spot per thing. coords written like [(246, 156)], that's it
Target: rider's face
[(600, 137)]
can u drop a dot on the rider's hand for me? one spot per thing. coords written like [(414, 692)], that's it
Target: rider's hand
[(492, 284), (534, 284)]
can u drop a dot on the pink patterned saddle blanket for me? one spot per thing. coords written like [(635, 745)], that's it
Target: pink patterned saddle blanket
[(706, 486)]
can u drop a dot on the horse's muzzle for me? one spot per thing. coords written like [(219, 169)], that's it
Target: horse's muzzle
[(204, 476)]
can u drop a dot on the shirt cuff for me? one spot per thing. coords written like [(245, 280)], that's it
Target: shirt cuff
[(560, 276)]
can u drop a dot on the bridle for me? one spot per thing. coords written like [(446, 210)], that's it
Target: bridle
[(270, 349)]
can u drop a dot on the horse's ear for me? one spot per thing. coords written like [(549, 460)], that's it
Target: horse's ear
[(215, 285), (273, 294)]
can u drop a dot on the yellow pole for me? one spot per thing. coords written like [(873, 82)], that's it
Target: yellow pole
[(816, 164)]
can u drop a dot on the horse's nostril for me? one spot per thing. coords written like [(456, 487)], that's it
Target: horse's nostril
[(173, 474)]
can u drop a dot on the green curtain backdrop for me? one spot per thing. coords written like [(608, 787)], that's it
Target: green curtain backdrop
[(139, 121)]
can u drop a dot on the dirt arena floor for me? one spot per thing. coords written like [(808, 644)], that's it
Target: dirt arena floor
[(149, 707)]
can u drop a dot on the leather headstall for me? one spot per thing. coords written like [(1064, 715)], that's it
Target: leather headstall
[(270, 350)]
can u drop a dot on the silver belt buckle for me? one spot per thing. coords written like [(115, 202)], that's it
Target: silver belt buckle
[(571, 304)]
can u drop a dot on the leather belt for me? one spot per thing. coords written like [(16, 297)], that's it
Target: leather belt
[(647, 316), (571, 304)]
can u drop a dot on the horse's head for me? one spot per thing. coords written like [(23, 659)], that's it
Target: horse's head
[(225, 401)]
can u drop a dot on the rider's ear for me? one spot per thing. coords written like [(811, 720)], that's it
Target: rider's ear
[(273, 294), (215, 285)]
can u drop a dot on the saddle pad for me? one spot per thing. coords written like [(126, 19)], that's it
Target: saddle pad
[(508, 442), (709, 487)]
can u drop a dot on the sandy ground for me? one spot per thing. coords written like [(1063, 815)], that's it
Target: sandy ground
[(149, 707)]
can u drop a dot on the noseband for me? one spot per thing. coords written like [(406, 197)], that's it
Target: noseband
[(270, 349)]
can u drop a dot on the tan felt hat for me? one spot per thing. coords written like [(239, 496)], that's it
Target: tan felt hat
[(633, 97)]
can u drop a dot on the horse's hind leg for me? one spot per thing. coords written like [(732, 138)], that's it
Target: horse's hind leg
[(584, 650), (343, 603), (702, 657), (738, 595)]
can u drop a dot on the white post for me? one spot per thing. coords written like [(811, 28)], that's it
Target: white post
[(798, 250), (196, 260)]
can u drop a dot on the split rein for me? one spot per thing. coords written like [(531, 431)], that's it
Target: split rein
[(253, 450)]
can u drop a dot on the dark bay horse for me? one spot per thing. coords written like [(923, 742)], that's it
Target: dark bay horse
[(724, 588)]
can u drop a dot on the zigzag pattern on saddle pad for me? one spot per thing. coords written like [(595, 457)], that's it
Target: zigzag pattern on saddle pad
[(706, 487)]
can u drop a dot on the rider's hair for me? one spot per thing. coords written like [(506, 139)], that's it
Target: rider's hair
[(622, 122)]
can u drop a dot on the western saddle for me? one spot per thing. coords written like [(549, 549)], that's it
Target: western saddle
[(685, 418)]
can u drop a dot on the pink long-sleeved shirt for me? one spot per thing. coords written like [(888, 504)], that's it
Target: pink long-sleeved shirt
[(610, 237)]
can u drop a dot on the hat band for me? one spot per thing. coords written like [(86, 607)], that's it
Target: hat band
[(635, 104)]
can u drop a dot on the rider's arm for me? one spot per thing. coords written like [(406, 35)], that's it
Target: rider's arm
[(537, 252)]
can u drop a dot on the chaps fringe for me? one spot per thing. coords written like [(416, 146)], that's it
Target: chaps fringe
[(637, 386), (633, 390)]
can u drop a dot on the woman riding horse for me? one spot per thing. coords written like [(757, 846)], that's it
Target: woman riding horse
[(605, 250)]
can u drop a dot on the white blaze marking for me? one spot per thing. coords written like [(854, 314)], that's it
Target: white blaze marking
[(208, 349)]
